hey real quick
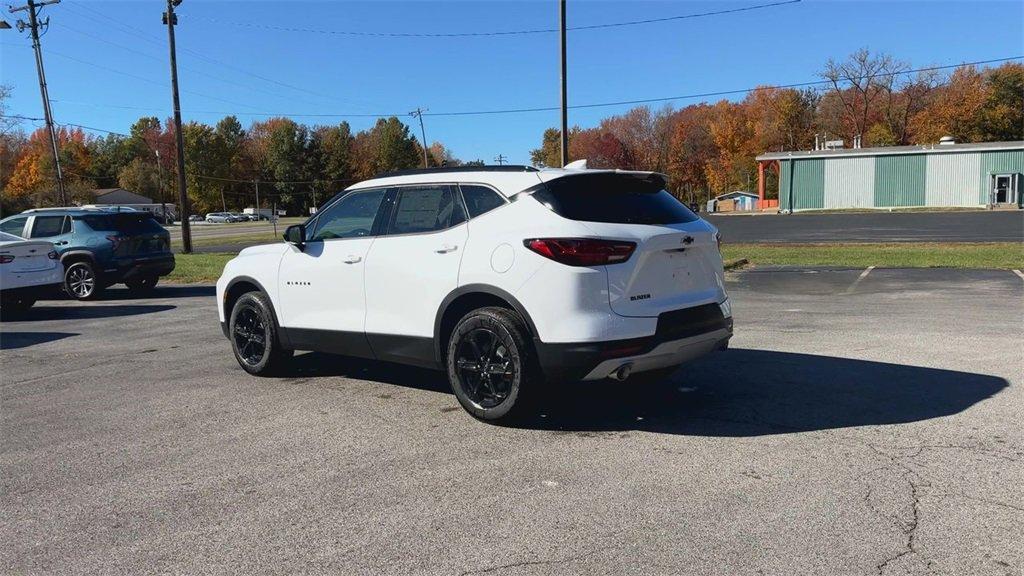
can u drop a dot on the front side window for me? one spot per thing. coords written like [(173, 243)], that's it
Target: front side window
[(46, 226), (480, 199), (14, 226), (426, 209), (350, 217)]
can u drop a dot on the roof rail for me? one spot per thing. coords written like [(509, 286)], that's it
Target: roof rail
[(52, 208), (444, 169)]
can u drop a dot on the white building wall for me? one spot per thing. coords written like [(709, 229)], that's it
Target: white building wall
[(849, 183), (951, 179)]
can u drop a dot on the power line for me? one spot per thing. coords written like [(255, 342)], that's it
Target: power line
[(216, 77), (143, 78), (493, 33), (142, 34), (34, 24), (581, 106), (718, 93)]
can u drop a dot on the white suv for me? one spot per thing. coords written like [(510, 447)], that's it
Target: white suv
[(506, 277)]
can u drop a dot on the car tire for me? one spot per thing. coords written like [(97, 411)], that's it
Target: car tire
[(253, 336), (143, 284), (81, 282), (491, 365)]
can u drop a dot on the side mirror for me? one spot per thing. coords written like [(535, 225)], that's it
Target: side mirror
[(295, 234)]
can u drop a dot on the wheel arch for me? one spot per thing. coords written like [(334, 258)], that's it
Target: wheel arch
[(72, 256), (471, 297), (242, 285)]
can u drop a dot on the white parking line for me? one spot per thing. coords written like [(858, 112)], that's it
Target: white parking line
[(860, 278), (1019, 273)]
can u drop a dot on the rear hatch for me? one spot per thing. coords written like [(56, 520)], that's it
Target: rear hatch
[(676, 263), (27, 256), (133, 233)]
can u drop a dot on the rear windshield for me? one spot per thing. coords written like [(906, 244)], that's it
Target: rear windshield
[(616, 198), (130, 224)]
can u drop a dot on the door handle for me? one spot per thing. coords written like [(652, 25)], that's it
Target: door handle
[(61, 243), (446, 249), (350, 259)]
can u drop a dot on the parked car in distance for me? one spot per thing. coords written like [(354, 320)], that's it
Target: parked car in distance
[(219, 217), (196, 218), (238, 217), (29, 270), (99, 248), (507, 278)]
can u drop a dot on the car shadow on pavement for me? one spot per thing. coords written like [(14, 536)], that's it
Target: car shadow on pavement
[(741, 392), (737, 392), (41, 312), (317, 364), (160, 291), (15, 340)]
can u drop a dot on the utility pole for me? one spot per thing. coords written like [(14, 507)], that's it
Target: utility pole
[(565, 113), (258, 213), (170, 18), (33, 8), (500, 159), (160, 186), (418, 113)]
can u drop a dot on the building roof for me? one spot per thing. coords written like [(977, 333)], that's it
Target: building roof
[(120, 196), (735, 194), (887, 150)]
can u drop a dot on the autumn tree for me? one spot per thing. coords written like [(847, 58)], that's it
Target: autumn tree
[(550, 152), (1002, 115), (858, 83)]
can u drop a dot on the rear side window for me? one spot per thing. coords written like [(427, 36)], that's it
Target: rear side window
[(14, 226), (480, 199), (46, 226), (426, 209), (615, 198), (128, 224)]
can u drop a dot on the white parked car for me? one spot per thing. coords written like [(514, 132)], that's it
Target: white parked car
[(29, 270), (508, 278), (219, 217)]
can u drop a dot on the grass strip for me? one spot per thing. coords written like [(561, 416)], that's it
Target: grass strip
[(995, 255)]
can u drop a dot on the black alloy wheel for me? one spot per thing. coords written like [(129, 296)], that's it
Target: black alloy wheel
[(250, 335), (491, 365), (254, 335), (485, 367)]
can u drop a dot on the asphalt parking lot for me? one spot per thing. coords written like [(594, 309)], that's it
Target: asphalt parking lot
[(858, 425), (960, 226)]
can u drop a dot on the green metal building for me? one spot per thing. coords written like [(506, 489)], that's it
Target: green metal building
[(989, 174)]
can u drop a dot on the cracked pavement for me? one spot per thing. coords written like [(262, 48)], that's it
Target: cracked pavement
[(877, 432)]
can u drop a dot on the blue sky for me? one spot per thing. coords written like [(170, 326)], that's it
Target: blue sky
[(226, 67)]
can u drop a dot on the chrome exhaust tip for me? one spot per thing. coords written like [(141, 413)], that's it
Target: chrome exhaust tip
[(622, 372)]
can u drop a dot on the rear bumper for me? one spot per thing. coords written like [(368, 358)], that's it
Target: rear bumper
[(129, 268), (681, 336)]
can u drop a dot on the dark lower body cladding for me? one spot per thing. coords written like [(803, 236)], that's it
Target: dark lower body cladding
[(123, 269), (574, 361), (702, 328), (409, 350)]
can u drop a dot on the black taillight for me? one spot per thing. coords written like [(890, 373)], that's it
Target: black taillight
[(582, 251), (6, 258)]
